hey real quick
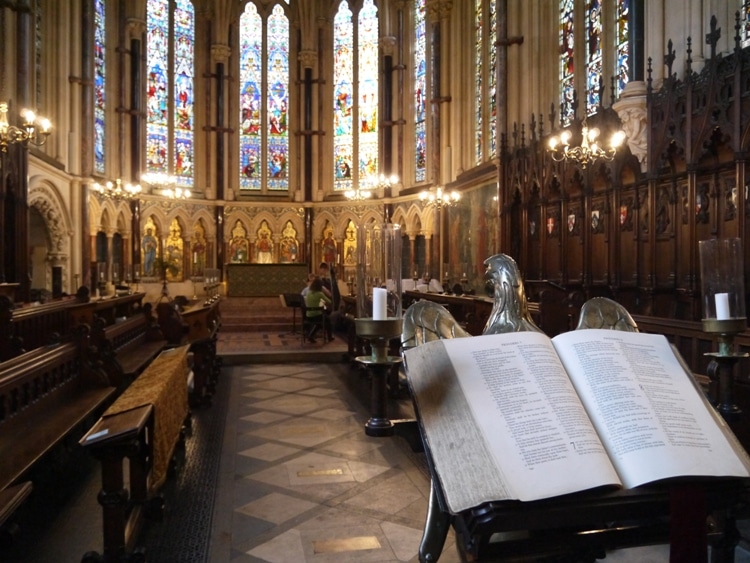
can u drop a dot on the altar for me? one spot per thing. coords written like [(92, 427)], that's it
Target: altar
[(265, 280)]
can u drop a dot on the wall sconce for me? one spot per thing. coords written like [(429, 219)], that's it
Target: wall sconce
[(439, 198), (117, 190), (34, 129), (589, 150), (723, 294)]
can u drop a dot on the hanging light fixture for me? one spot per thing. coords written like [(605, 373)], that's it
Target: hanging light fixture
[(382, 181), (589, 151), (439, 198), (176, 193), (117, 190), (165, 184), (34, 130), (359, 194)]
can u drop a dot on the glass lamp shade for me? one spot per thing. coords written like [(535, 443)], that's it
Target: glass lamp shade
[(379, 271), (722, 279)]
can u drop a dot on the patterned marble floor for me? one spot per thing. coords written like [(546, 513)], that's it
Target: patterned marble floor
[(302, 482)]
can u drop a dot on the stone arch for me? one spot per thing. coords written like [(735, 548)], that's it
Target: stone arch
[(45, 198)]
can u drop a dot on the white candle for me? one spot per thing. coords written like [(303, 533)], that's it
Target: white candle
[(379, 308), (722, 306)]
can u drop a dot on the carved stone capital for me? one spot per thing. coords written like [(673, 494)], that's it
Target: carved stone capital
[(220, 53), (308, 58), (388, 45), (438, 10), (135, 28), (631, 108)]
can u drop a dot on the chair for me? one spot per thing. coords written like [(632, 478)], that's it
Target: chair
[(311, 325)]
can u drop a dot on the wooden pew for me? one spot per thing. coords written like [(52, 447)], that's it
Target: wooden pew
[(128, 346), (142, 431), (46, 395), (197, 325), (26, 327)]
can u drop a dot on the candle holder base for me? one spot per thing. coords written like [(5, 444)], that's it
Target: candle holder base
[(379, 333)]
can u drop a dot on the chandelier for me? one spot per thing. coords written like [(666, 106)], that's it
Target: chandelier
[(439, 198), (117, 190), (382, 181), (589, 151), (34, 129), (165, 184), (359, 194), (176, 193)]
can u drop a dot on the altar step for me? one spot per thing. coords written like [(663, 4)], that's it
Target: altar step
[(257, 314)]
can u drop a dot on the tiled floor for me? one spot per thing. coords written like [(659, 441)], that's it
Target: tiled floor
[(293, 479), (308, 484)]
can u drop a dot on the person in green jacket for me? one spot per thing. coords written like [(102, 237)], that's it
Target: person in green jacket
[(316, 298)]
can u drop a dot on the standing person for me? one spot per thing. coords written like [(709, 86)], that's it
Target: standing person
[(324, 273), (314, 298)]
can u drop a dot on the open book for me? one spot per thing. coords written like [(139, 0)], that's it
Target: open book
[(520, 416)]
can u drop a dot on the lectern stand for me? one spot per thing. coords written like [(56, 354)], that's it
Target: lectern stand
[(293, 300)]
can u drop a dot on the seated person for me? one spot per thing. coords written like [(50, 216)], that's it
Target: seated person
[(306, 289), (316, 298)]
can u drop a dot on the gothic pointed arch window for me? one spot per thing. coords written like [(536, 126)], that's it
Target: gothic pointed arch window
[(420, 90), (601, 47), (485, 85), (355, 93), (100, 59), (170, 62), (264, 100)]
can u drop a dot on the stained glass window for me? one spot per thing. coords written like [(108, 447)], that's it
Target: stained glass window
[(264, 100), (170, 89), (604, 52), (343, 97), (184, 63), (478, 86), (492, 79), (420, 91), (99, 82), (593, 55), (485, 86), (278, 100), (251, 86), (567, 52), (368, 91), (745, 13), (623, 40)]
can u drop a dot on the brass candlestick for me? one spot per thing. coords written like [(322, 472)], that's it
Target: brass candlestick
[(721, 367), (378, 333), (723, 296)]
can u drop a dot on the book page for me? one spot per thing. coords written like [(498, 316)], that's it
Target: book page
[(524, 408), (650, 415)]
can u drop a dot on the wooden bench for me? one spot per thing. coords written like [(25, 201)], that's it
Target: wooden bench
[(46, 395), (128, 346), (198, 326), (143, 431)]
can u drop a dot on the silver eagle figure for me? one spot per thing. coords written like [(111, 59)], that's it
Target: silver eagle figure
[(425, 321)]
